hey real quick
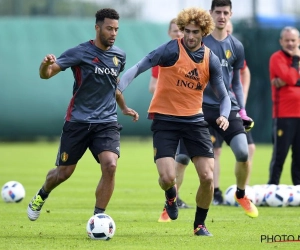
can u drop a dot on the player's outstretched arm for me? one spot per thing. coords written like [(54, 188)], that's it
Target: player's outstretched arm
[(48, 67)]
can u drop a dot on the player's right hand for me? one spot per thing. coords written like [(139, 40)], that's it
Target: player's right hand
[(222, 122), (49, 59)]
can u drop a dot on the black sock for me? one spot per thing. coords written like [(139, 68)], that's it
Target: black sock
[(98, 210), (200, 217), (171, 193), (216, 190), (43, 193), (240, 193)]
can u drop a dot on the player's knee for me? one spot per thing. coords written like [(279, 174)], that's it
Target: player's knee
[(182, 159), (241, 155), (206, 178)]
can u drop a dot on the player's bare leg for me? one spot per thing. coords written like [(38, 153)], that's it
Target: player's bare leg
[(204, 167), (106, 185)]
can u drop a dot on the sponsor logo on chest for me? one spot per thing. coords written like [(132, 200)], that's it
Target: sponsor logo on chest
[(106, 71)]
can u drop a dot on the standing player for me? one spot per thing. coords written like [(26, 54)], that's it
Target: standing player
[(174, 33), (218, 140), (91, 118), (285, 78), (231, 55), (186, 66)]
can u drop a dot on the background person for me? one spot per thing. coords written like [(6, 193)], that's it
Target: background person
[(231, 55), (285, 87), (245, 78)]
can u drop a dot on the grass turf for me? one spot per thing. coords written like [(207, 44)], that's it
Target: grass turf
[(135, 206)]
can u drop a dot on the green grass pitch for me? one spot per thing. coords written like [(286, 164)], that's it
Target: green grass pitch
[(135, 206)]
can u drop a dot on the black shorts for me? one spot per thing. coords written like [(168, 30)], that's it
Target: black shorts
[(217, 139), (235, 123), (166, 135), (77, 137)]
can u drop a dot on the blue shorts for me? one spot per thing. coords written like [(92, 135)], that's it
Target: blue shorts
[(77, 137)]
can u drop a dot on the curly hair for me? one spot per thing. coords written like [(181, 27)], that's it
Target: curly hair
[(106, 13), (198, 17)]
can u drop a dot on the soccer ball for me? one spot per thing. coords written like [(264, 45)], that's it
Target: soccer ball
[(229, 196), (259, 191), (230, 191), (294, 195), (12, 191), (277, 196), (250, 193), (101, 227)]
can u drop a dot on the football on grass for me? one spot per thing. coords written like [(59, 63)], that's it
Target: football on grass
[(12, 191), (101, 227)]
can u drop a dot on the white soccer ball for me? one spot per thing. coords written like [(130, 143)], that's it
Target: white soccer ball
[(294, 195), (101, 227), (259, 191), (277, 196), (250, 193), (269, 190), (12, 191), (229, 196), (230, 191)]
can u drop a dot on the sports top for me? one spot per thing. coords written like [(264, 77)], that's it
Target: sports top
[(184, 82), (95, 81), (230, 52), (167, 55)]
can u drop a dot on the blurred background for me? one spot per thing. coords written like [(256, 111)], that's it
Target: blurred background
[(32, 108)]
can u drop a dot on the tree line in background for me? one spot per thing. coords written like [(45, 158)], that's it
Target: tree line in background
[(66, 8)]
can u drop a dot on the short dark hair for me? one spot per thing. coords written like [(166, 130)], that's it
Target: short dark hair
[(106, 13), (220, 3)]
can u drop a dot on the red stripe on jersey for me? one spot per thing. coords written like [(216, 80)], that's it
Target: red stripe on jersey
[(78, 81)]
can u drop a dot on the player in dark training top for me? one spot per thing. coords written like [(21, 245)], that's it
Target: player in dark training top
[(231, 55), (91, 117)]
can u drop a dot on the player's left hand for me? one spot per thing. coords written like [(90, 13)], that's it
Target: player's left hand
[(131, 112), (248, 123)]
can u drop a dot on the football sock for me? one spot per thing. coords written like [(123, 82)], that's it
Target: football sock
[(200, 216), (216, 190), (98, 210), (43, 193), (240, 193), (171, 193)]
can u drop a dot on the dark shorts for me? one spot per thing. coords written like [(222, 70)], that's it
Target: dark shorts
[(77, 137), (235, 123), (195, 136), (218, 140)]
